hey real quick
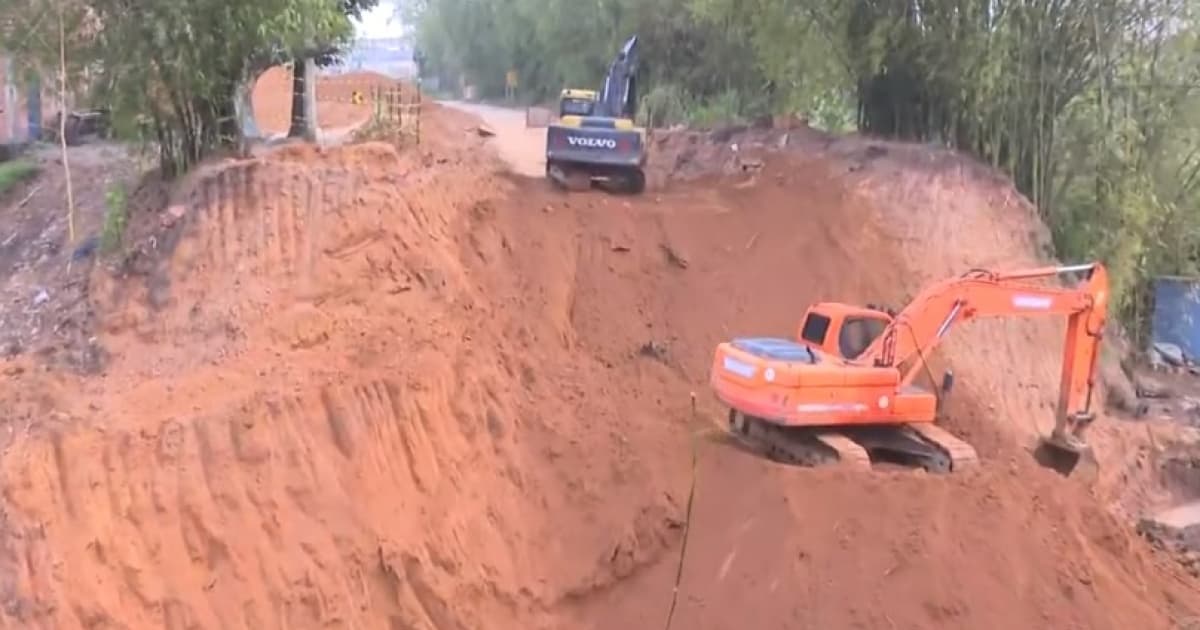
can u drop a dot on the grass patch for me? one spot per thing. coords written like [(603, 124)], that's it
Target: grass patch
[(15, 172), (115, 219)]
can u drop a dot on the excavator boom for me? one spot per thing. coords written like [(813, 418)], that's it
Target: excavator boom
[(832, 381), (618, 97), (918, 329)]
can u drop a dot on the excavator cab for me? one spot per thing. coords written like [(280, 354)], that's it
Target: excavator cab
[(842, 330), (576, 103)]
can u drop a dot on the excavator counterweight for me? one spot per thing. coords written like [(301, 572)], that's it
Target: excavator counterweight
[(596, 138), (844, 389)]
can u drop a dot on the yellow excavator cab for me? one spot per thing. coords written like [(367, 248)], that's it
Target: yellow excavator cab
[(576, 103)]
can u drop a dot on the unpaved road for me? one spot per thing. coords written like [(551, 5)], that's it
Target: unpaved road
[(521, 147)]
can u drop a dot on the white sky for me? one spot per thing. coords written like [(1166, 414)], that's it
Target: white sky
[(378, 22)]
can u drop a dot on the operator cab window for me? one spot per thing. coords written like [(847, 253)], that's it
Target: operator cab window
[(858, 333), (576, 107), (816, 326)]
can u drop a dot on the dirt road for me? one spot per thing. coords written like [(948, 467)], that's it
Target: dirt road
[(522, 148)]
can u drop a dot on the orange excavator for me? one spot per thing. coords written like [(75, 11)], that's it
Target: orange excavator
[(844, 390)]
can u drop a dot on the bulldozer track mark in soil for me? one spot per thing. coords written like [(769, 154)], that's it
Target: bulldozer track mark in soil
[(268, 219)]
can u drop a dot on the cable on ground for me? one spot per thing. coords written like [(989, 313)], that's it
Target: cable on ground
[(687, 519)]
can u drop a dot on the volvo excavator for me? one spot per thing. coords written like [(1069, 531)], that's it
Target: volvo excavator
[(844, 390), (595, 138)]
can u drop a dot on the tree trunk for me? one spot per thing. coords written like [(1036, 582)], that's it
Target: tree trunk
[(243, 100), (229, 123), (299, 125)]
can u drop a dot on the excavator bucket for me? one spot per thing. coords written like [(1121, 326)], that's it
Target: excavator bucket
[(1067, 457)]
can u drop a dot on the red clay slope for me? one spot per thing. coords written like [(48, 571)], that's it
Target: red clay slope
[(362, 389), (1010, 546)]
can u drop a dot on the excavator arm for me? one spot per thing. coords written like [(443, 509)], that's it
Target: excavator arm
[(618, 96), (918, 329)]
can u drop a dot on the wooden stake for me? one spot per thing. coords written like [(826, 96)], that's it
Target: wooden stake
[(62, 122)]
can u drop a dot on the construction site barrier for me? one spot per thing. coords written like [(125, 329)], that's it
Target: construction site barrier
[(395, 107)]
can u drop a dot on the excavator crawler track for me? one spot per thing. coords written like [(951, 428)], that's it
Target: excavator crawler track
[(920, 445), (961, 454), (803, 448)]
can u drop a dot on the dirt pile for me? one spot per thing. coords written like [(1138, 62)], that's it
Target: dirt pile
[(1013, 546), (356, 388), (933, 215), (45, 304), (272, 99), (1181, 539), (315, 415), (1177, 528)]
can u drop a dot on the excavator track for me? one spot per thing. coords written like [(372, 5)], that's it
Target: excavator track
[(919, 445), (798, 447), (962, 455), (571, 179)]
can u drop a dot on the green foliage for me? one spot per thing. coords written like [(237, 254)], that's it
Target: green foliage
[(116, 217), (664, 106), (333, 49), (564, 43), (179, 63), (1127, 184), (14, 172)]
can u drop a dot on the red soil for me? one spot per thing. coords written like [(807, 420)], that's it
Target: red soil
[(356, 388)]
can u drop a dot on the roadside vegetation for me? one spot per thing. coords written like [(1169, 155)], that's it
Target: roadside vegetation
[(1091, 106), (177, 74), (176, 77), (14, 172)]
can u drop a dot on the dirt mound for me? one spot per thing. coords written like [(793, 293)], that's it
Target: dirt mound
[(341, 427), (940, 214), (1005, 548), (775, 548), (351, 387), (272, 99)]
